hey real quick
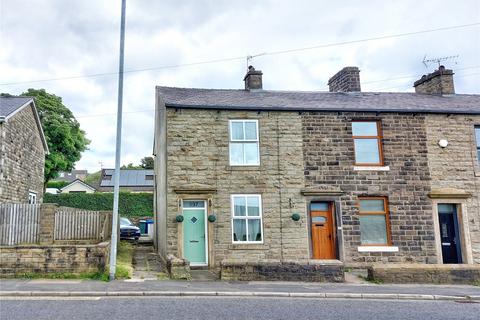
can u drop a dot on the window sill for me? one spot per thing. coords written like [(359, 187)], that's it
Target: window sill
[(248, 246), (377, 249), (243, 168), (371, 168)]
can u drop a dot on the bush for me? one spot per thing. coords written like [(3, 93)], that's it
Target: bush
[(130, 204), (57, 184)]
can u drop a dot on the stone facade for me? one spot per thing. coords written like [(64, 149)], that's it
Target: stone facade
[(329, 165), (22, 158), (198, 157), (309, 156), (455, 174)]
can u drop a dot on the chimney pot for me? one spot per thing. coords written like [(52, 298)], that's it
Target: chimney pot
[(345, 80), (438, 82), (253, 79)]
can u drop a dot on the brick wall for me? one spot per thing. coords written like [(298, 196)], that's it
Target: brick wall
[(329, 163), (457, 166), (22, 158), (198, 153)]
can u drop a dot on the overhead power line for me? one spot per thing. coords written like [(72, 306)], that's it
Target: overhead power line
[(268, 53)]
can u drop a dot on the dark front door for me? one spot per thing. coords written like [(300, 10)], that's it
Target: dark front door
[(449, 235)]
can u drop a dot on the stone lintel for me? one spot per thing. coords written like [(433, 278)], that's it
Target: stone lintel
[(449, 193), (195, 188), (320, 192)]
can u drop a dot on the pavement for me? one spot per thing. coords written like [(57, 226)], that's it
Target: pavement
[(151, 288)]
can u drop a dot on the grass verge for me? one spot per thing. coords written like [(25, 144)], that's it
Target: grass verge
[(124, 260)]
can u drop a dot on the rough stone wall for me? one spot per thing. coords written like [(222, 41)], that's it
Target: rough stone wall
[(198, 153), (44, 259), (457, 166), (437, 274), (346, 80), (22, 158), (329, 163), (276, 270)]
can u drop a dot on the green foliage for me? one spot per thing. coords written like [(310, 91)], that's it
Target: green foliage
[(130, 166), (147, 163), (130, 204), (66, 141), (103, 276), (124, 269), (57, 184), (93, 179)]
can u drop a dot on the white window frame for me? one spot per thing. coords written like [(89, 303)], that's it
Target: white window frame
[(32, 197), (246, 217), (244, 141)]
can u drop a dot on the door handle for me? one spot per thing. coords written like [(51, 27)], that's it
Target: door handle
[(194, 241)]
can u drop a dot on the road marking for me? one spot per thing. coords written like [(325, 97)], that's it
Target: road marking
[(51, 298)]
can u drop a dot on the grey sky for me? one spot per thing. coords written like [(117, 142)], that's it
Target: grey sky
[(59, 38)]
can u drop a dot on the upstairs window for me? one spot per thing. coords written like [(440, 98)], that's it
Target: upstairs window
[(477, 139), (374, 221), (244, 146), (367, 139)]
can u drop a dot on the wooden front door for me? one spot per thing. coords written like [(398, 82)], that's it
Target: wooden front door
[(322, 230)]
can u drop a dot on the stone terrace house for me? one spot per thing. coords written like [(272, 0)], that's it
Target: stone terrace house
[(22, 151), (264, 184)]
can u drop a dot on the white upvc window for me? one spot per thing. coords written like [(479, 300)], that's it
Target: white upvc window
[(247, 224), (244, 145), (32, 198)]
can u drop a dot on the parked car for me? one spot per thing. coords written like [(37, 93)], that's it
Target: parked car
[(128, 230)]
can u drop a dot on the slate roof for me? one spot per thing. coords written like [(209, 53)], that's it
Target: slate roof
[(128, 178), (9, 105), (318, 101)]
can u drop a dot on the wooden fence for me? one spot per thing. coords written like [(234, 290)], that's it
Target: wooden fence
[(35, 223), (77, 224), (19, 223)]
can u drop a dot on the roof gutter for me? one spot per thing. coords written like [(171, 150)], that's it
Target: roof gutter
[(300, 109)]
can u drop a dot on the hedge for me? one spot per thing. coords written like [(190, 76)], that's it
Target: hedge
[(130, 204)]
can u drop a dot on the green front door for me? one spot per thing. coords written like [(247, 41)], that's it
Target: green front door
[(194, 238)]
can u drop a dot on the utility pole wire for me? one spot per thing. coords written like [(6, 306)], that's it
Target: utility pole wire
[(116, 186), (271, 53)]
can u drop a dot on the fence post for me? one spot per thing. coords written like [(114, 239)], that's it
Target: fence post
[(47, 223)]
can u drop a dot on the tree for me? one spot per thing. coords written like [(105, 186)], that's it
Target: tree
[(147, 163), (66, 141)]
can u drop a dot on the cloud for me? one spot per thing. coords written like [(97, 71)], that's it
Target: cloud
[(57, 38)]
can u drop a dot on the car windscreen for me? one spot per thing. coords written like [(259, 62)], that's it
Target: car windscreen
[(125, 222)]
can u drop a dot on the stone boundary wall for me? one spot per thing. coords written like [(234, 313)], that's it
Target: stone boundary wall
[(43, 259), (426, 273), (286, 271), (178, 268)]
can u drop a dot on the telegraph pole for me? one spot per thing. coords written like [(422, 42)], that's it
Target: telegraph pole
[(118, 148)]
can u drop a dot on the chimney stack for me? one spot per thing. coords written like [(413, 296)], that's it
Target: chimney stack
[(438, 82), (345, 80), (253, 79)]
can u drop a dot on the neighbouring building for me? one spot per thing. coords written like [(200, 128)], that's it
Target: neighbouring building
[(22, 151), (77, 186), (132, 180), (262, 184), (72, 175)]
